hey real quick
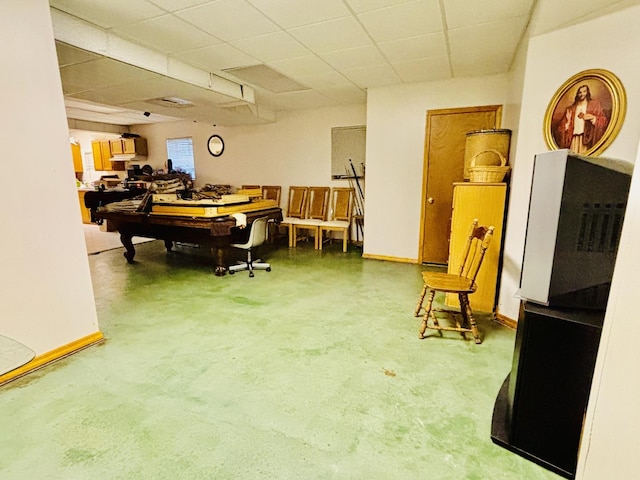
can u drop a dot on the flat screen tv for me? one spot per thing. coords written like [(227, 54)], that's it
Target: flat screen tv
[(576, 210)]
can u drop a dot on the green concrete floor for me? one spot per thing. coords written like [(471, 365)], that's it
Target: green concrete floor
[(311, 371)]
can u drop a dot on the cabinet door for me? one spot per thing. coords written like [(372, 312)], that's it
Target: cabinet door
[(116, 147), (105, 150), (77, 158), (86, 215), (134, 146), (486, 202), (97, 155)]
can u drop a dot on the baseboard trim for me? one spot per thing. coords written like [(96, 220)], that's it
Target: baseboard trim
[(52, 356), (506, 321), (385, 258)]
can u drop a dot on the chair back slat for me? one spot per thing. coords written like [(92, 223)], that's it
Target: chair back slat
[(318, 203), (342, 204), (478, 241), (297, 206)]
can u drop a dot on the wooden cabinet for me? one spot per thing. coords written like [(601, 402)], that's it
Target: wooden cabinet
[(86, 214), (487, 203), (101, 154), (128, 146), (76, 154)]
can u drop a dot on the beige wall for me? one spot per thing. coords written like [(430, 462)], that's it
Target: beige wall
[(46, 300)]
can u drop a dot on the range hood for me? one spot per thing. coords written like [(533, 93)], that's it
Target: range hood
[(127, 157)]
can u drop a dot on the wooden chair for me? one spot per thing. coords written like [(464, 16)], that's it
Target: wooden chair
[(296, 208), (340, 219), (272, 192), (462, 284), (318, 210)]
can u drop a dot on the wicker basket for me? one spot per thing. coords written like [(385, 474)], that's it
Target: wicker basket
[(488, 173)]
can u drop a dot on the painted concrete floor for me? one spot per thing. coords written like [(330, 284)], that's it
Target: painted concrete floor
[(311, 371)]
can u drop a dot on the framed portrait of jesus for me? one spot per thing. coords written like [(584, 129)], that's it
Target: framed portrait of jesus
[(586, 113)]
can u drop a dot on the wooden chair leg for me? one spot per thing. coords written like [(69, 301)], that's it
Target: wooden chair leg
[(425, 318), (464, 305), (423, 292)]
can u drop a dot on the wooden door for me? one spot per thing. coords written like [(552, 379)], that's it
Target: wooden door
[(445, 141)]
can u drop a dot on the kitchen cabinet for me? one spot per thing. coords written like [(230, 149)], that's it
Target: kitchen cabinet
[(101, 154), (76, 154), (128, 146), (486, 202), (86, 214)]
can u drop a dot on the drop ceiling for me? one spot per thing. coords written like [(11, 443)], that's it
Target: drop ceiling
[(117, 56)]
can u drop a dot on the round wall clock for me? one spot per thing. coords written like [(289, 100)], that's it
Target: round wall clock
[(215, 145)]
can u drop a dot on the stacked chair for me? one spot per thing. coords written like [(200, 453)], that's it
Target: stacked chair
[(317, 212), (296, 209), (342, 199)]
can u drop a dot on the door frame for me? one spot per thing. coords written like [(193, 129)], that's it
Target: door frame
[(425, 162)]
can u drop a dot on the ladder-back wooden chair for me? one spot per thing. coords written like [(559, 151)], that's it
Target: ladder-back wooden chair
[(340, 218), (296, 209), (317, 212), (463, 284), (272, 192)]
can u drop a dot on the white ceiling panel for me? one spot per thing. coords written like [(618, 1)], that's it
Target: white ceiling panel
[(464, 13), (295, 13), (424, 69), (335, 48), (332, 35), (402, 21), (272, 47), (108, 14), (366, 56), (433, 45), (168, 34), (218, 57), (229, 19)]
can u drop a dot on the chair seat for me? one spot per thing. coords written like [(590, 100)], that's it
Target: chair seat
[(447, 282), (307, 221), (335, 224), (288, 220)]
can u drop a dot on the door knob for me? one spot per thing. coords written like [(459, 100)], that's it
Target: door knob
[(430, 200)]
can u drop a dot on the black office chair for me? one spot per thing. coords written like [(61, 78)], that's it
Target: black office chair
[(257, 236)]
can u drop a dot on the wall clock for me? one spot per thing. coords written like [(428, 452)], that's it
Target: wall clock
[(215, 145)]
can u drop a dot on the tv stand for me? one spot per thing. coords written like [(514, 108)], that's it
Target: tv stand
[(540, 407)]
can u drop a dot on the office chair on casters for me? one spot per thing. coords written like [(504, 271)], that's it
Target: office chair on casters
[(463, 284), (257, 237)]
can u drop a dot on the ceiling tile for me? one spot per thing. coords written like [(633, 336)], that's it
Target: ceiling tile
[(214, 18), (111, 13), (432, 45), (403, 21), (272, 47), (332, 35), (168, 34), (366, 56), (175, 5), (330, 78), (424, 69), (360, 6), (301, 66), (70, 55), (295, 13), (217, 58), (345, 94), (100, 74), (485, 49), (372, 76), (464, 13)]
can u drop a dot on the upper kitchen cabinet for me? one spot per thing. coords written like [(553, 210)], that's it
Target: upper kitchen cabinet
[(128, 146), (101, 155), (76, 154)]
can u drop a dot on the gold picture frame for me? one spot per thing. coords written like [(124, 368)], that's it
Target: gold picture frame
[(586, 113)]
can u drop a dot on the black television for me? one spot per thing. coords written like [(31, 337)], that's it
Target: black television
[(576, 210)]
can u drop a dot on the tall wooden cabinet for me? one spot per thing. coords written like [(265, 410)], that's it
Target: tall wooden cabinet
[(101, 154), (487, 203)]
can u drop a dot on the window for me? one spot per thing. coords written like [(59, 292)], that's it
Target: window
[(180, 152)]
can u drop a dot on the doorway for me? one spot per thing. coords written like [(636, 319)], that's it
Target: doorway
[(445, 141)]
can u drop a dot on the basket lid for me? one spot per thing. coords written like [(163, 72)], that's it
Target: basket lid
[(494, 131)]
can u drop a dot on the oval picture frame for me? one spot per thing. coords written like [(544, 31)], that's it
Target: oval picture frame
[(606, 109), (215, 145)]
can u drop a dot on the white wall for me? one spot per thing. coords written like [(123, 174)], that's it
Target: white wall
[(396, 122), (548, 67), (296, 150), (46, 299)]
